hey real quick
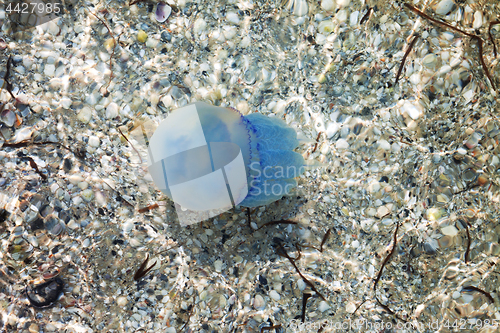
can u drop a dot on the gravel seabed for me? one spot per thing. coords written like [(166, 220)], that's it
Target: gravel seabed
[(414, 163)]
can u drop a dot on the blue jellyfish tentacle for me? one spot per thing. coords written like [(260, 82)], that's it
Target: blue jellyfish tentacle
[(274, 164)]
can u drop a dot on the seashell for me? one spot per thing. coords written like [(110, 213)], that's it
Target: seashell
[(54, 225), (22, 135), (444, 7), (228, 159), (8, 117), (44, 295), (162, 12)]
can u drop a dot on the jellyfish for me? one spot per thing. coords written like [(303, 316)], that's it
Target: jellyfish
[(209, 158)]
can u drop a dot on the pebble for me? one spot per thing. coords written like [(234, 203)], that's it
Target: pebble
[(342, 144), (444, 7), (199, 25), (85, 115), (49, 70), (478, 20), (94, 141), (259, 302), (112, 110), (87, 194), (33, 328), (323, 306), (142, 36), (449, 231), (66, 103), (218, 266), (274, 295), (233, 17), (328, 5), (121, 301)]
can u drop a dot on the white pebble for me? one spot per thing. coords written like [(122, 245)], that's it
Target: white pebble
[(94, 141), (355, 244), (323, 306), (444, 7), (274, 295), (259, 302), (66, 102), (328, 5), (353, 18), (86, 242), (112, 110), (383, 144), (233, 17), (301, 284), (49, 70), (331, 129), (342, 144), (121, 301), (199, 25), (343, 3), (87, 194), (218, 266), (449, 230), (478, 20)]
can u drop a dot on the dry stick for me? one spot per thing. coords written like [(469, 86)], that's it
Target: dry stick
[(305, 297), (487, 294), (491, 37), (292, 261), (268, 328), (325, 238), (119, 130), (316, 144), (142, 271), (477, 38), (412, 43), (35, 166), (148, 208), (385, 307), (366, 16), (467, 250), (6, 83), (112, 51)]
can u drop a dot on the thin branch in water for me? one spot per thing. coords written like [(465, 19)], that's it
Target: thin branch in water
[(6, 83), (35, 166), (447, 25), (148, 208), (268, 328), (140, 158), (112, 52), (467, 250), (305, 297), (395, 241), (485, 293), (316, 144), (412, 43), (366, 17), (325, 238), (142, 271)]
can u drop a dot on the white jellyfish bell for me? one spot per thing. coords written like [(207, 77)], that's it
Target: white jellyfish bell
[(208, 159)]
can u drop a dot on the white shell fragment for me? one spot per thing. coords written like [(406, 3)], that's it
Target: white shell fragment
[(162, 12)]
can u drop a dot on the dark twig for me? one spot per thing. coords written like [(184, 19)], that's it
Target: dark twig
[(366, 17), (119, 130), (268, 328), (305, 297), (282, 252), (477, 38), (467, 250), (112, 53), (316, 144), (357, 308), (35, 166), (487, 294), (142, 271), (412, 43), (6, 83), (325, 238), (148, 208), (491, 37), (395, 240)]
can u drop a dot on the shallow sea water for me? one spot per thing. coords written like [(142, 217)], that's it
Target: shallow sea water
[(414, 163)]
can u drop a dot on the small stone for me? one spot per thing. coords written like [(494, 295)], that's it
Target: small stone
[(121, 301), (87, 194), (478, 20), (218, 266), (66, 102), (384, 145), (274, 295), (259, 302), (342, 144), (444, 7), (355, 244), (84, 115), (232, 17), (142, 36), (323, 306), (449, 231), (328, 5), (49, 70), (86, 242), (94, 141), (199, 25), (33, 328), (112, 110)]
